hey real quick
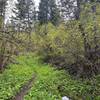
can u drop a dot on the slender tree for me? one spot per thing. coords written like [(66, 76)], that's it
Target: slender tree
[(48, 12), (24, 13), (54, 13), (43, 15), (2, 7), (2, 11), (2, 42)]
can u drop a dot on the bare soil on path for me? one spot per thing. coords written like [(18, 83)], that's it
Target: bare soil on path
[(24, 89)]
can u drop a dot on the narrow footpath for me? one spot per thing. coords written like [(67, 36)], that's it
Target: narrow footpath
[(24, 89)]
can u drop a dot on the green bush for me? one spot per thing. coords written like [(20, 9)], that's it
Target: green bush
[(59, 42), (67, 47)]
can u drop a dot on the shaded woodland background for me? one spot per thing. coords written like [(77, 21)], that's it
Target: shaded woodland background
[(65, 34)]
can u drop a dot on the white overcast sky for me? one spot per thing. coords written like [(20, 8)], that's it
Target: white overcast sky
[(11, 6)]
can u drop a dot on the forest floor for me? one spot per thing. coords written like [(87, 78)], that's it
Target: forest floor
[(31, 79), (24, 89)]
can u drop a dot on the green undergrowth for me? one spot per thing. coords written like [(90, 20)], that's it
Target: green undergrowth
[(50, 84), (14, 77), (46, 85)]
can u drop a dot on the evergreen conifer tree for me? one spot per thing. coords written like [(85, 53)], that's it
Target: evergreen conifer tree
[(24, 13), (2, 11), (48, 12)]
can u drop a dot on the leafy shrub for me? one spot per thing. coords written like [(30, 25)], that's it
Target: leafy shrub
[(64, 47)]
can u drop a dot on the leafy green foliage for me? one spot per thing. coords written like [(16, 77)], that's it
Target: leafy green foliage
[(48, 12), (73, 45), (45, 87), (52, 84), (14, 77), (60, 43)]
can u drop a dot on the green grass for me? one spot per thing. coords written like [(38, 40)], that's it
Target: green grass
[(50, 84), (14, 77), (46, 85)]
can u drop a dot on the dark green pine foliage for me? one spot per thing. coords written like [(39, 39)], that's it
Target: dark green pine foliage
[(48, 12), (43, 14), (24, 12), (30, 12), (3, 4), (54, 13), (2, 7)]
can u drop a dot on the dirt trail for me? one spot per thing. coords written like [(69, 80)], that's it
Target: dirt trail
[(24, 89)]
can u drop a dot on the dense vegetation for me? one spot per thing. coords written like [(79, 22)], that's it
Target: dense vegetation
[(14, 77), (64, 34), (50, 84)]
